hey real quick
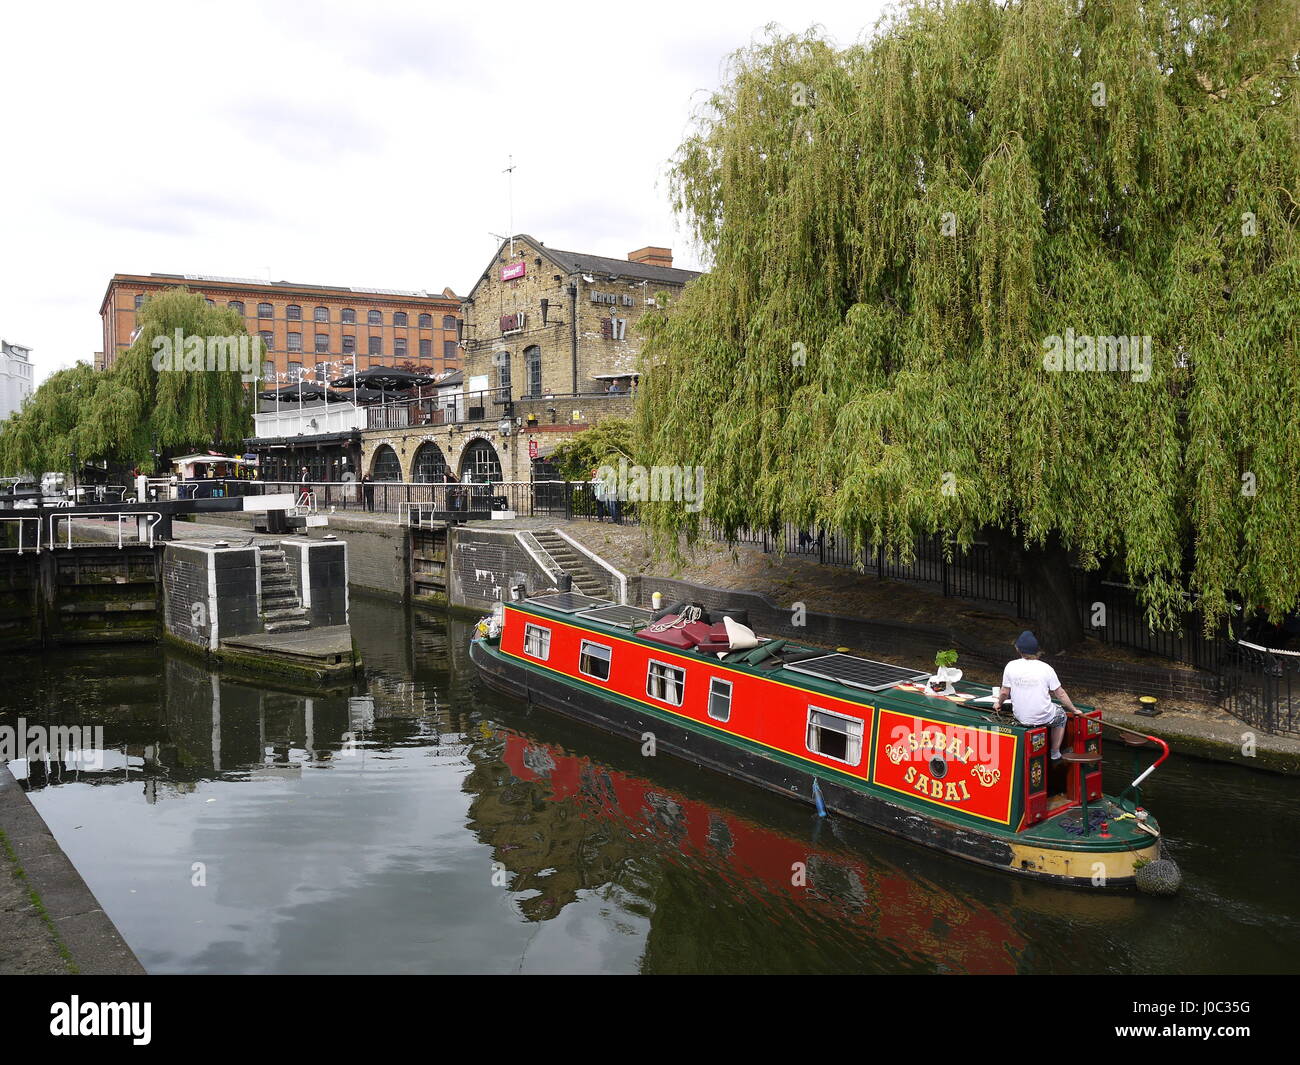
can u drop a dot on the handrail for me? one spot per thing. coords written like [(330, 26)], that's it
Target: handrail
[(1136, 784), (20, 518), (154, 517)]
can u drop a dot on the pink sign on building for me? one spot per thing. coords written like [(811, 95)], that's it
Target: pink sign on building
[(514, 270)]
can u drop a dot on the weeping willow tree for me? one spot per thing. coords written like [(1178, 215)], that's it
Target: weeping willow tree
[(918, 247), (123, 414)]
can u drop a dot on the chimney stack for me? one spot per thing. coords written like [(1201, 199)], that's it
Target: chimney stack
[(652, 256)]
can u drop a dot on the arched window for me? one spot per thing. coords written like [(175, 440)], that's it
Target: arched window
[(385, 466), (264, 311), (266, 336), (293, 312), (533, 371), (373, 346), (449, 321), (399, 347), (399, 318), (426, 321), (349, 316), (502, 361), (322, 314), (480, 464), (430, 465), (374, 318), (349, 345), (236, 306), (139, 300)]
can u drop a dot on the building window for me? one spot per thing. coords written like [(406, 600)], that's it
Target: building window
[(349, 345), (349, 316), (719, 699), (373, 345), (139, 300), (210, 302), (264, 311), (374, 318), (322, 343), (665, 683), (533, 371), (295, 342), (502, 359), (295, 371), (426, 321), (399, 347), (322, 372), (236, 306), (449, 321), (426, 349), (430, 465), (386, 466), (399, 318), (834, 736), (322, 314), (537, 642), (480, 464), (593, 660), (293, 312), (449, 349), (268, 369), (266, 336)]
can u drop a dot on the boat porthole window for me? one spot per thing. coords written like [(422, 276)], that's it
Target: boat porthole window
[(938, 768), (665, 683), (593, 660), (719, 699), (537, 642), (835, 735)]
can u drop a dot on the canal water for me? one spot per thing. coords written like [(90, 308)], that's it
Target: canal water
[(424, 824)]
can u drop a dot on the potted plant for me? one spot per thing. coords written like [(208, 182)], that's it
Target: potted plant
[(945, 673)]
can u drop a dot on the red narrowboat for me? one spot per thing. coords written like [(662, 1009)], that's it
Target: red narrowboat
[(872, 741)]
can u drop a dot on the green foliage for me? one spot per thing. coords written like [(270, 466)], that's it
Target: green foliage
[(119, 414), (886, 261), (943, 659), (603, 444)]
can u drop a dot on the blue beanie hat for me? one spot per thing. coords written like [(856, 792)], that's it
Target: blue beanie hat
[(1027, 643)]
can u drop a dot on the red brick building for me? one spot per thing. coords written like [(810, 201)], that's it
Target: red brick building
[(315, 330)]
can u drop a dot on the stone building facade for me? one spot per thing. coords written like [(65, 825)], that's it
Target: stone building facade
[(551, 347)]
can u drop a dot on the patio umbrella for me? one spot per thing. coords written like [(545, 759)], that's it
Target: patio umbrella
[(359, 395), (307, 393), (385, 378)]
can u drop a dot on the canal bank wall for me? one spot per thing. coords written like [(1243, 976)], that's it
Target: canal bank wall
[(50, 921)]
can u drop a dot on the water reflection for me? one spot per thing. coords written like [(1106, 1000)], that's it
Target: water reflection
[(422, 824)]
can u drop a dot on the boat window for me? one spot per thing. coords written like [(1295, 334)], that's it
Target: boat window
[(537, 641), (594, 660), (834, 735), (719, 699), (665, 683)]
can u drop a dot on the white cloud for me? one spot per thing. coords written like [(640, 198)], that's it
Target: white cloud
[(356, 144)]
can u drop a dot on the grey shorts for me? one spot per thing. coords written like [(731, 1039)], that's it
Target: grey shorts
[(1058, 719)]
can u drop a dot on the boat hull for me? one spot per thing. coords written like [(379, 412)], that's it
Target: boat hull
[(1076, 867)]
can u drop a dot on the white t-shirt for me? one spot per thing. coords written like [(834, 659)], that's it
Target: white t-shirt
[(1031, 681)]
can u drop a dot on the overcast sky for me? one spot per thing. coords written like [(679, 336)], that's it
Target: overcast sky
[(340, 143)]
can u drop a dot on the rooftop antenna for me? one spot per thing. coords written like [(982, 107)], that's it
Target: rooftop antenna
[(509, 172)]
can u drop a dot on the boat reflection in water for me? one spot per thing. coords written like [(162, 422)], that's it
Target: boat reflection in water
[(604, 818)]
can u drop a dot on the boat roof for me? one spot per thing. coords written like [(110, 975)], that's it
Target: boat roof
[(846, 676)]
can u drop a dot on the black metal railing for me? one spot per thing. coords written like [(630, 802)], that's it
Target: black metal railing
[(1262, 687)]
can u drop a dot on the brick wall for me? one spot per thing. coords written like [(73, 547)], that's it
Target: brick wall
[(485, 564)]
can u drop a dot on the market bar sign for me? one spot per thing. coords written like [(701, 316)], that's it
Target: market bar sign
[(513, 323), (514, 270), (614, 299)]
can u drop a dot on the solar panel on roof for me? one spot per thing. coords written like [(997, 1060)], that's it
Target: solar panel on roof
[(857, 672), (619, 615), (568, 602)]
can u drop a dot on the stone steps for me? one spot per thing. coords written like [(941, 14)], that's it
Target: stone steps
[(281, 609), (586, 579)]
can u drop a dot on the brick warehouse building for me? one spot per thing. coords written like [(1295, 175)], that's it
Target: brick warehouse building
[(546, 334), (306, 327)]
